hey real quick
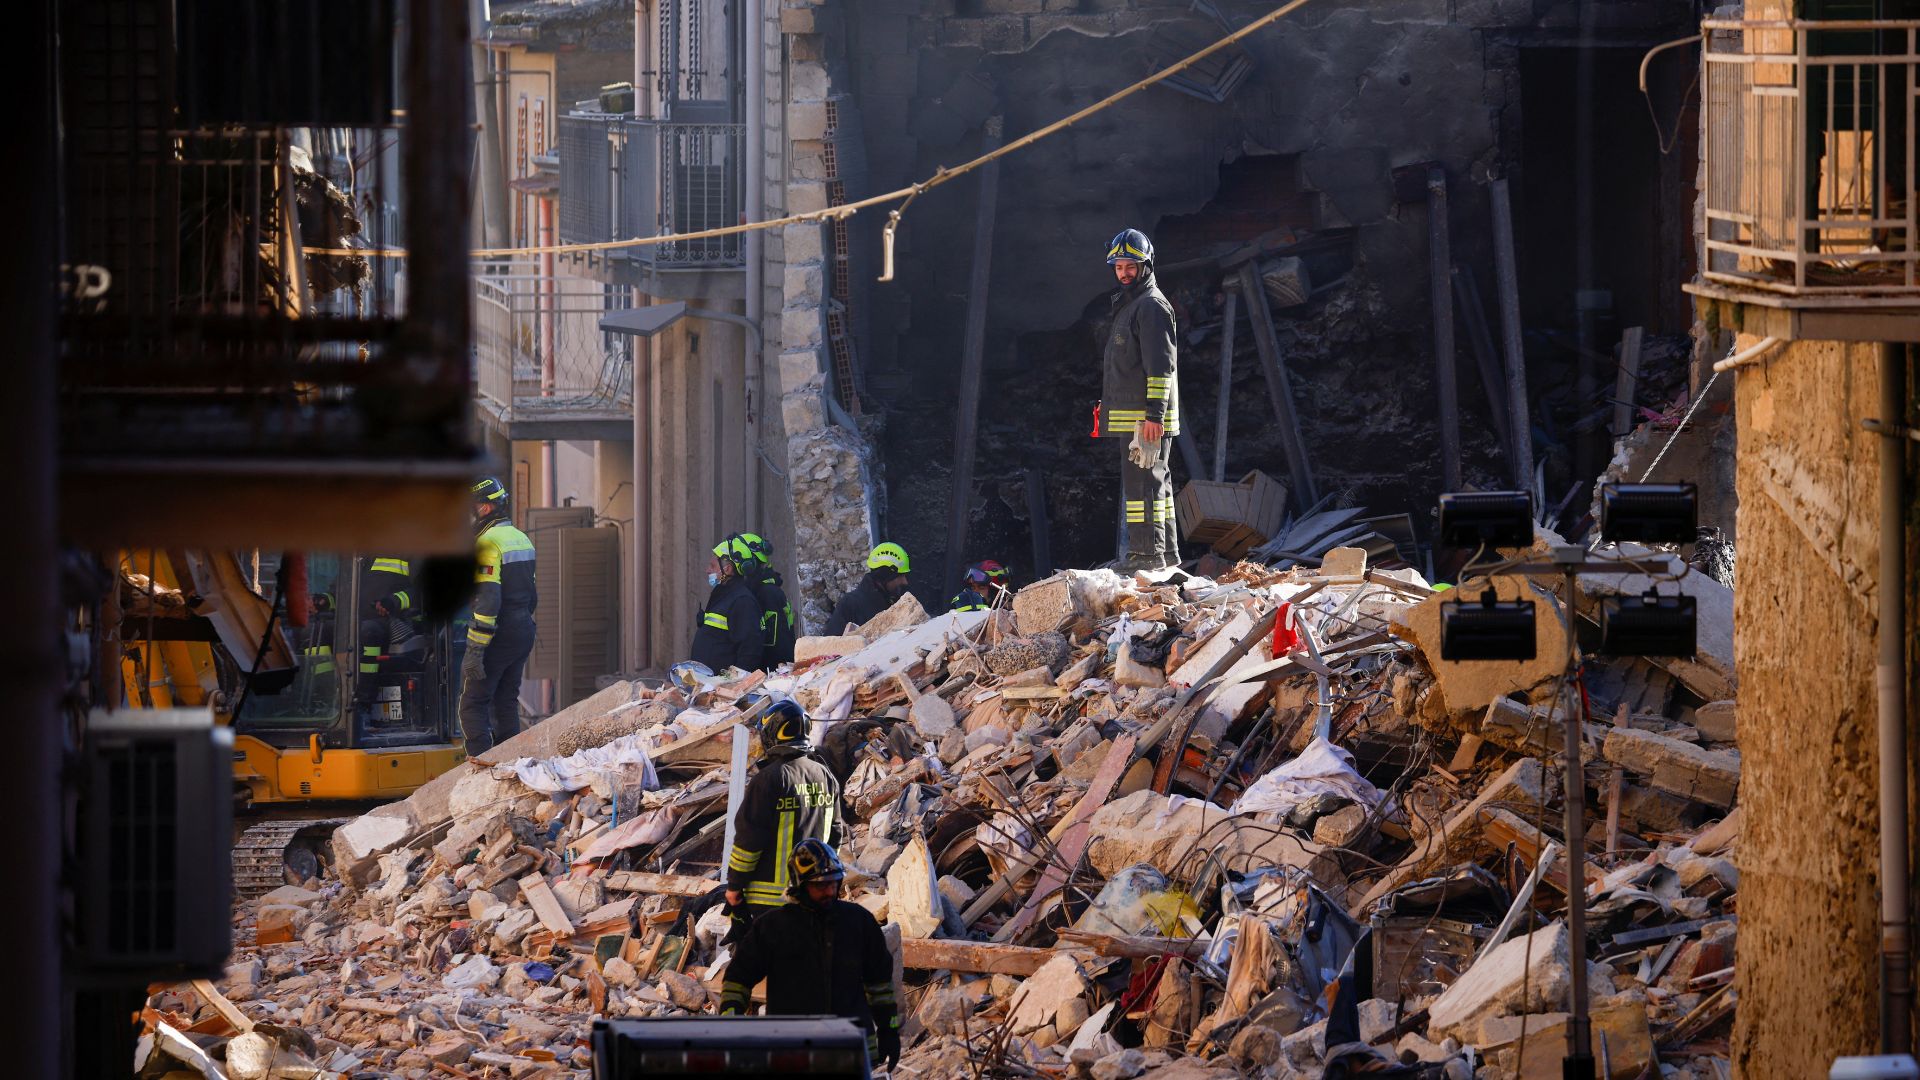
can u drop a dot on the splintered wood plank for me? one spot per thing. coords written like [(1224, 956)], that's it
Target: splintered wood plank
[(977, 957), (221, 1005), (546, 905), (659, 884), (1073, 843)]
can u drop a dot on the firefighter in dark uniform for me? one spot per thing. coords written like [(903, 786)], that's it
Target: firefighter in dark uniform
[(729, 632), (793, 796), (777, 625), (1139, 394), (389, 607), (500, 637), (818, 954), (885, 580), (984, 580)]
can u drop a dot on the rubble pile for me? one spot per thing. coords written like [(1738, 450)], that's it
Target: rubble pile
[(1118, 827)]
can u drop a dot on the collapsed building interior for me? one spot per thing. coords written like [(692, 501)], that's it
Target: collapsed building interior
[(1309, 142)]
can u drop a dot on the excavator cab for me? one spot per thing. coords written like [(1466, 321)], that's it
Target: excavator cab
[(369, 711), (354, 705)]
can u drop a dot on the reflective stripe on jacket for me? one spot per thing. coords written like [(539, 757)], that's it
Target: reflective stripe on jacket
[(1140, 380), (792, 797)]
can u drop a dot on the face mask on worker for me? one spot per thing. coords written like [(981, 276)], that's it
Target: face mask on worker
[(713, 580)]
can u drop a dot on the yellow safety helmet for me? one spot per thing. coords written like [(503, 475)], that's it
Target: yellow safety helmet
[(889, 556)]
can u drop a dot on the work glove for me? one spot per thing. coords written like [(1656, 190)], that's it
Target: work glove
[(889, 1042), (1140, 453), (474, 663)]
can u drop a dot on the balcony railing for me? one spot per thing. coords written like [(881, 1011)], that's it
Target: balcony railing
[(622, 178), (544, 369), (1809, 151)]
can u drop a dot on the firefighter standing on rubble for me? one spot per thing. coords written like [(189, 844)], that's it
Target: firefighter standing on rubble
[(819, 954), (791, 798), (885, 580), (1140, 401), (729, 633), (500, 637)]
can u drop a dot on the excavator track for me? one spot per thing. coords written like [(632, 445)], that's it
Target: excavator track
[(264, 854)]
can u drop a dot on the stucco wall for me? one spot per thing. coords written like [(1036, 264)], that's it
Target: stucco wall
[(1805, 647)]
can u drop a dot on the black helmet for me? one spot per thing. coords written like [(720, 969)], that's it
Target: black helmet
[(1130, 244), (812, 860), (491, 491), (785, 724)]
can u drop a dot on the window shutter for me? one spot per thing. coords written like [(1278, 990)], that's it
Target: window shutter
[(589, 637), (545, 525)]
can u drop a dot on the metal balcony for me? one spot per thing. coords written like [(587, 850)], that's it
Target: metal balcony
[(1809, 160), (622, 178), (543, 368)]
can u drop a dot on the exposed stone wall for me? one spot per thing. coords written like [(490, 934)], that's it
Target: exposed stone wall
[(1805, 649), (1351, 92), (830, 474)]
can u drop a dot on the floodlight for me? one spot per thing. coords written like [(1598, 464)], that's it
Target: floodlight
[(1649, 513), (1650, 625), (1486, 629), (1469, 519)]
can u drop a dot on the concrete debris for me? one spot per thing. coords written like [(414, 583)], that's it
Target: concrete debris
[(479, 926)]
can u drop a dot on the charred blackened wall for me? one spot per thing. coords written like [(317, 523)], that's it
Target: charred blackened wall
[(1324, 144)]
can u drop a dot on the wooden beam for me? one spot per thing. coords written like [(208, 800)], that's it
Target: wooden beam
[(212, 996), (972, 358), (1440, 295), (1039, 526), (1227, 319), (1133, 947), (546, 905), (1074, 843), (1278, 386), (1626, 379), (1466, 296), (1507, 274), (659, 884), (1186, 708), (976, 957)]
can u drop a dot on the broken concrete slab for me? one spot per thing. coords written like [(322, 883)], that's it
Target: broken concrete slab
[(1046, 993), (1051, 603), (905, 612), (1709, 672), (1527, 974), (1160, 830), (594, 721), (1679, 768), (1622, 1022), (1718, 721), (1463, 689), (808, 649)]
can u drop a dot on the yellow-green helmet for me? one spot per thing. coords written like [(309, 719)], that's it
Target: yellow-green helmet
[(889, 556), (736, 548), (762, 550)]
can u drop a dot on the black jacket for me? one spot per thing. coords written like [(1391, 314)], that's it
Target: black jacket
[(826, 959), (792, 797), (1140, 380), (968, 600), (777, 628), (869, 598), (729, 631)]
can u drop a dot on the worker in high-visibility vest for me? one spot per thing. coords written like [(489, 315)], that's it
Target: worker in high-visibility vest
[(500, 637)]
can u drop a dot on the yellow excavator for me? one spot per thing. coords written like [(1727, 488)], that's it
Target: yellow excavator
[(316, 715)]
